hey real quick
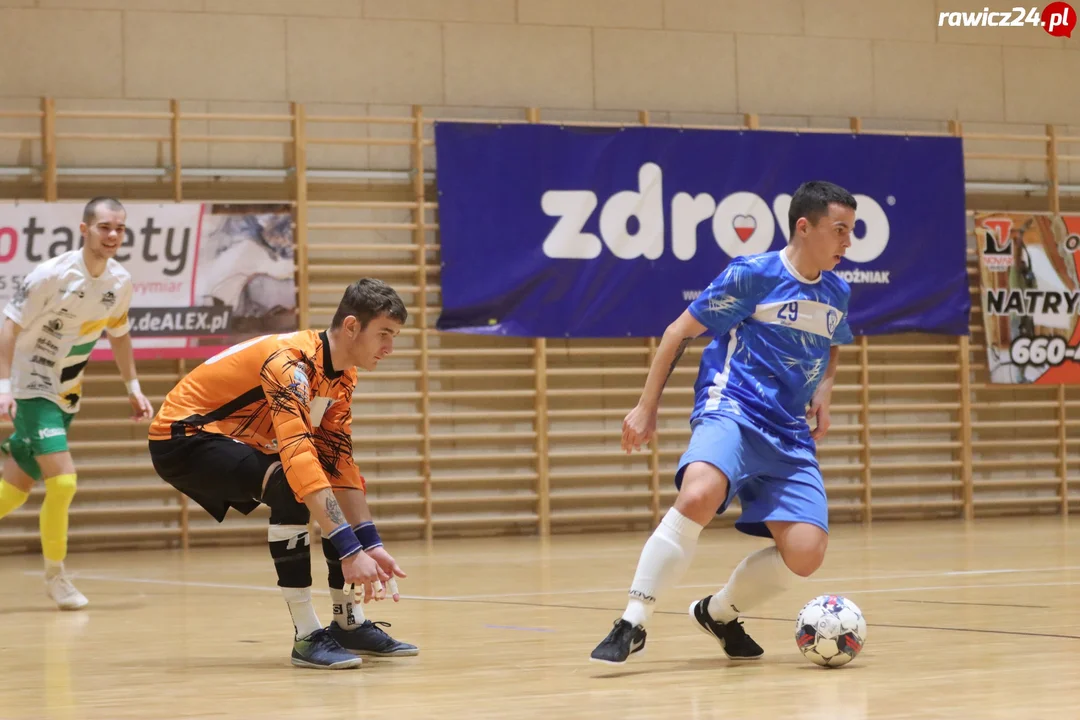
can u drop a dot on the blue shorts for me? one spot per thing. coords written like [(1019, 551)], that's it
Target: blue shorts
[(773, 480)]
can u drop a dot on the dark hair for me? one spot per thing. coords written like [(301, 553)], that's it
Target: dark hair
[(367, 299), (812, 200), (90, 211)]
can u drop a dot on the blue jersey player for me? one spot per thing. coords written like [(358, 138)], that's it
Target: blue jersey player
[(775, 319)]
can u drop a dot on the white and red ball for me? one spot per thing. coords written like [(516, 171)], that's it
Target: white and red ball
[(830, 631)]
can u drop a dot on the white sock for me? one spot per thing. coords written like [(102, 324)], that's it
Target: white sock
[(347, 613), (665, 558), (760, 576), (303, 612), (53, 568)]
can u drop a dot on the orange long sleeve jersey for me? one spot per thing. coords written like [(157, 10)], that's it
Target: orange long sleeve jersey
[(278, 394)]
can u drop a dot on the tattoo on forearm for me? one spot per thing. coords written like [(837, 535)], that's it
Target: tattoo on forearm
[(678, 354), (333, 510)]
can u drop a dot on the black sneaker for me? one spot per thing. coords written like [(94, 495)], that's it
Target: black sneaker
[(623, 641), (321, 651), (733, 639), (370, 639)]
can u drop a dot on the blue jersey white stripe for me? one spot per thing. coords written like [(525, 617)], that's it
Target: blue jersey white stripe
[(773, 330)]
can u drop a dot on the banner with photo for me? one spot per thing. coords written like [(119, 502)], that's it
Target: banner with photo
[(205, 275), (1030, 292)]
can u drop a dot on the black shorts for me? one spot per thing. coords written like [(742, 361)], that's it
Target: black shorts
[(217, 472)]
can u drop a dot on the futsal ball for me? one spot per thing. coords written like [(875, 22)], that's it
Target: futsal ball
[(830, 630)]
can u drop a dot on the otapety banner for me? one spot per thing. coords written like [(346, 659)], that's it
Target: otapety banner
[(562, 231), (205, 275), (1029, 275)]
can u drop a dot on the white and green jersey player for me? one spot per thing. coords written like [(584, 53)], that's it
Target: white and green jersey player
[(50, 327), (62, 310)]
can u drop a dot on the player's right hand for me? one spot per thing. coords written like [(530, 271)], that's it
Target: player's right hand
[(7, 406), (638, 428), (361, 570)]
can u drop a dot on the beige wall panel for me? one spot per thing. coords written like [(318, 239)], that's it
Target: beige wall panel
[(1069, 172), (518, 66), (624, 117), (22, 153), (364, 61), (770, 17), (256, 155), (1005, 170), (823, 122), (885, 19), (476, 112), (1041, 85), (593, 13), (93, 153), (573, 73), (204, 57), (452, 10), (771, 121), (165, 5), (914, 125), (337, 156), (323, 8), (353, 245), (804, 76), (768, 121), (645, 69), (47, 52), (679, 117), (923, 80), (395, 157), (1024, 36), (194, 154)]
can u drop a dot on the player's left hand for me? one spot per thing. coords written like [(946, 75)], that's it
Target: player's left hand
[(819, 411), (141, 407), (389, 566)]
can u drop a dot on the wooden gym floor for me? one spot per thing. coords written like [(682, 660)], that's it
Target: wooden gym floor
[(965, 621)]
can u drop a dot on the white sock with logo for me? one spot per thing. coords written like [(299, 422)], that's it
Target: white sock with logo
[(348, 614), (664, 560), (760, 576)]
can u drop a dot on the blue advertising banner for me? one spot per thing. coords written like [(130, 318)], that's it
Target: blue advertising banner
[(562, 231)]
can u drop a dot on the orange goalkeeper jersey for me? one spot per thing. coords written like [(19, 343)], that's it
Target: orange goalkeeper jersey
[(279, 394)]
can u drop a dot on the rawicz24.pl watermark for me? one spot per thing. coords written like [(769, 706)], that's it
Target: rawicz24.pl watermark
[(1057, 18)]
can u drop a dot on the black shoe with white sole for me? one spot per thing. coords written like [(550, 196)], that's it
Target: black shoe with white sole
[(623, 641), (733, 639)]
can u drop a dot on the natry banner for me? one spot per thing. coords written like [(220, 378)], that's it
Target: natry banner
[(205, 275), (1030, 293)]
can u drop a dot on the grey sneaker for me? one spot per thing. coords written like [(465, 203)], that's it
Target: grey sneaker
[(370, 639), (321, 651)]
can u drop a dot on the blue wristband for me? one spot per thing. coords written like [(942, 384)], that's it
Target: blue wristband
[(345, 541), (368, 535)]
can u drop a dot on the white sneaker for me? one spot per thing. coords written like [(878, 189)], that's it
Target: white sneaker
[(64, 594)]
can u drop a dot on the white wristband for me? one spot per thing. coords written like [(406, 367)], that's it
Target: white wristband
[(5, 386), (133, 386)]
